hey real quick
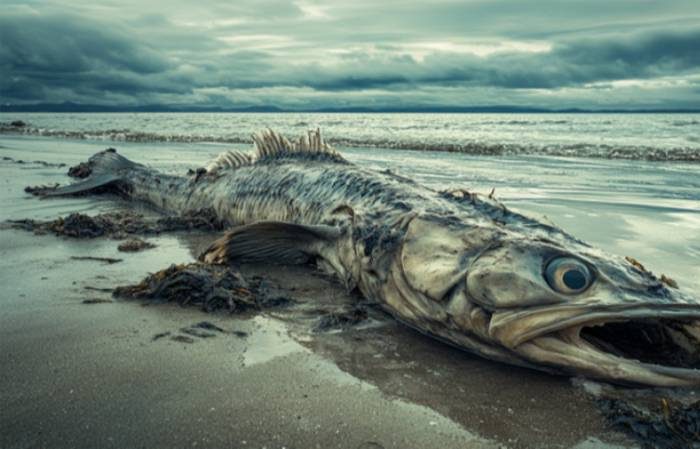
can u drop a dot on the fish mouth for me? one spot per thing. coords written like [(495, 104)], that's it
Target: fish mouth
[(639, 347)]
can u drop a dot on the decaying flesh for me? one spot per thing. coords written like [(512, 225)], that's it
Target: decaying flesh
[(457, 266)]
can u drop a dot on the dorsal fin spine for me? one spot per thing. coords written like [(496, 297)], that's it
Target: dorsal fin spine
[(227, 159), (270, 144)]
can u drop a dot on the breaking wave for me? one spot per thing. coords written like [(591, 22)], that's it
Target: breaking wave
[(601, 151), (527, 122), (119, 135), (465, 146), (685, 123)]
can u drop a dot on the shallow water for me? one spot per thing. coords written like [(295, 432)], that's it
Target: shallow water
[(627, 136)]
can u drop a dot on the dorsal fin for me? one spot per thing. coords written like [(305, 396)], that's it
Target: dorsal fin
[(228, 159), (271, 145)]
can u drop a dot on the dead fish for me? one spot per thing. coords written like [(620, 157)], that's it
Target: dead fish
[(455, 265)]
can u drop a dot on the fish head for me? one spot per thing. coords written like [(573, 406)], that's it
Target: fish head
[(530, 294)]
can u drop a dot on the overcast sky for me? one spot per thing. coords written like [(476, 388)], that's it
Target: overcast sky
[(379, 53)]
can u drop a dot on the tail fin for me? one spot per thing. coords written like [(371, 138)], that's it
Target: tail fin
[(102, 169)]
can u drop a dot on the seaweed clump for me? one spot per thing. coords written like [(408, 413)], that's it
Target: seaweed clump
[(80, 171), (41, 163), (121, 224), (210, 287), (135, 245), (79, 226), (341, 319), (665, 424), (657, 418)]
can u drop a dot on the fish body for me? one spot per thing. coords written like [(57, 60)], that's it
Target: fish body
[(457, 266)]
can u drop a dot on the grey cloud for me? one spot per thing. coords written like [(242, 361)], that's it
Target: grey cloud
[(640, 52), (249, 51), (38, 53), (65, 44), (567, 64)]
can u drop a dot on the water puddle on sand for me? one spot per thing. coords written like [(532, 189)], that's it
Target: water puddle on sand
[(325, 354), (269, 340)]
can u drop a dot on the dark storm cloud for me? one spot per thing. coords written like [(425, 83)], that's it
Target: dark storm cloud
[(306, 53), (65, 44), (39, 53), (567, 64)]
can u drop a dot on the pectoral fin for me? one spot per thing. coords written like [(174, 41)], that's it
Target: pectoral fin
[(273, 242)]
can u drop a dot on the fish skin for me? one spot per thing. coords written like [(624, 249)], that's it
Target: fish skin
[(455, 265)]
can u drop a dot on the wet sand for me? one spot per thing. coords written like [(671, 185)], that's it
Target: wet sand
[(77, 375), (92, 375)]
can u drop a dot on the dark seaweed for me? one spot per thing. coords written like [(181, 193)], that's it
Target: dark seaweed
[(96, 301), (120, 224), (658, 418), (107, 260), (662, 424), (182, 339), (208, 326), (210, 287), (135, 245), (42, 163), (80, 171), (341, 319), (160, 335)]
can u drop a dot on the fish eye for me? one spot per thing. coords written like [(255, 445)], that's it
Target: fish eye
[(568, 275)]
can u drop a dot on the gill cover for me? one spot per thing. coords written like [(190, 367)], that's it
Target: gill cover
[(437, 254)]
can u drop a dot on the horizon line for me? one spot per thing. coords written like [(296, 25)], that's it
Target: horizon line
[(70, 107)]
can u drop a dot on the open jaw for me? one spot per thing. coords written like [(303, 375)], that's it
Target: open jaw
[(647, 349)]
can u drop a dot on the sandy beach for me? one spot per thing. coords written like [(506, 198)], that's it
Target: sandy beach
[(306, 224), (82, 369), (91, 375)]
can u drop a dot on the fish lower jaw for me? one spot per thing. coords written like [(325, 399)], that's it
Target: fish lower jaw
[(651, 353)]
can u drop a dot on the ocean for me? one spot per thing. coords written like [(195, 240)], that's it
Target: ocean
[(629, 183), (616, 136)]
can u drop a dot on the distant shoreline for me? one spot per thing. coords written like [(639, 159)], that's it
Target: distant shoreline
[(80, 108)]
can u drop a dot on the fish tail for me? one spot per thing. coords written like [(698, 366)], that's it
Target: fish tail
[(101, 170)]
